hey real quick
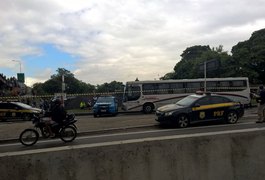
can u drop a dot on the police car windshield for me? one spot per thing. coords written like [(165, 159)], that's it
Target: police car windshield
[(23, 105), (187, 100)]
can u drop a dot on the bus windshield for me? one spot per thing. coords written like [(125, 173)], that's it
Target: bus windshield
[(132, 93)]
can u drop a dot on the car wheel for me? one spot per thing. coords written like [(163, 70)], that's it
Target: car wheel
[(27, 117), (95, 115), (232, 117), (148, 108), (183, 121)]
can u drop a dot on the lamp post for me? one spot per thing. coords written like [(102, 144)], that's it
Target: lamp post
[(20, 75), (19, 64)]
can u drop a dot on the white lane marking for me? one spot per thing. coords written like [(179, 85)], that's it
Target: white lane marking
[(160, 130)]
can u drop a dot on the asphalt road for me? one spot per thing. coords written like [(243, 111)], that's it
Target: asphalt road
[(136, 133), (121, 127)]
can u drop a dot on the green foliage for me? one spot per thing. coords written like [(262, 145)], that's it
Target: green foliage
[(38, 88), (114, 86), (194, 57), (247, 60), (188, 64), (250, 57)]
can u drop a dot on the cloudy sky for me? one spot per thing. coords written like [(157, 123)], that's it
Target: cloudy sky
[(105, 40)]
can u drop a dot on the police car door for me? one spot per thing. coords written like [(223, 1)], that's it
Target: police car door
[(201, 110), (220, 106)]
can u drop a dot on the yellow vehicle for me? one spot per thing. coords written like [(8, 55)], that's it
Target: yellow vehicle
[(17, 110)]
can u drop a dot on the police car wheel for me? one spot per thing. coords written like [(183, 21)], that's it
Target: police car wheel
[(232, 117), (182, 121)]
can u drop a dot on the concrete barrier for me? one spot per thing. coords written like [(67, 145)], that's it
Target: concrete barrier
[(229, 155)]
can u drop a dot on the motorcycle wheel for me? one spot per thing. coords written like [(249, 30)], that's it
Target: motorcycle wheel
[(29, 137), (68, 134)]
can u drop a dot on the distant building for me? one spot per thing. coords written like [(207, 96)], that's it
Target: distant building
[(11, 86)]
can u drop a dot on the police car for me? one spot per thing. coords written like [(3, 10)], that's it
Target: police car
[(200, 108), (17, 110)]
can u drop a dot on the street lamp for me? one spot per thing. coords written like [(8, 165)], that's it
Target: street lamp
[(19, 64)]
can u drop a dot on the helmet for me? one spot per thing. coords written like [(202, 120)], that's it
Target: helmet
[(57, 101)]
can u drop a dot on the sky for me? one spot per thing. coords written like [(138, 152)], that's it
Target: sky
[(101, 41)]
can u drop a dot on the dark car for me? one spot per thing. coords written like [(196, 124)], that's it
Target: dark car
[(105, 105), (17, 110), (200, 108)]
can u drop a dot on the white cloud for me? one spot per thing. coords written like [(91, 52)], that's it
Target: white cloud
[(122, 39)]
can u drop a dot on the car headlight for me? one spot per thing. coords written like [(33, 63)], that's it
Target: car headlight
[(169, 113)]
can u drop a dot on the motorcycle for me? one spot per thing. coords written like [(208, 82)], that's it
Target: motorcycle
[(67, 131)]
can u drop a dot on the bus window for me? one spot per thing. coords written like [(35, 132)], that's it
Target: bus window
[(212, 86), (149, 89), (193, 87), (163, 88), (239, 84), (177, 88), (224, 86)]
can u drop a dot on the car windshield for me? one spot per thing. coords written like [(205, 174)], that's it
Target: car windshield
[(187, 100), (23, 105), (105, 100)]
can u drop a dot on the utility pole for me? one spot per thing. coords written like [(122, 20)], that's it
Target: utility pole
[(19, 64), (205, 76)]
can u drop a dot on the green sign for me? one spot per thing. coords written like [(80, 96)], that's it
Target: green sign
[(21, 77)]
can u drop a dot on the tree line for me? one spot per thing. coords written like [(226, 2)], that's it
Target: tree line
[(73, 85)]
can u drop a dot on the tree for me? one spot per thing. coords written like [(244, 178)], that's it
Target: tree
[(193, 56), (186, 66), (38, 89), (114, 86), (250, 57), (54, 85)]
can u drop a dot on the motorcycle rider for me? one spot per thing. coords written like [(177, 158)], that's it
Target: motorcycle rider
[(57, 114)]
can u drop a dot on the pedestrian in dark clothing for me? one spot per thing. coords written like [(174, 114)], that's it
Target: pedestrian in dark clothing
[(261, 106)]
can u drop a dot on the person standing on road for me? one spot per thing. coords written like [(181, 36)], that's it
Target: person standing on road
[(261, 108)]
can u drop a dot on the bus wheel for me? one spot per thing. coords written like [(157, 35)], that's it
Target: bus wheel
[(148, 108)]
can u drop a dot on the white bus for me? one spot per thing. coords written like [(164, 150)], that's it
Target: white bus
[(146, 96)]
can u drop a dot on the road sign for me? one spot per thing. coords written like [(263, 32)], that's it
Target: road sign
[(21, 77)]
